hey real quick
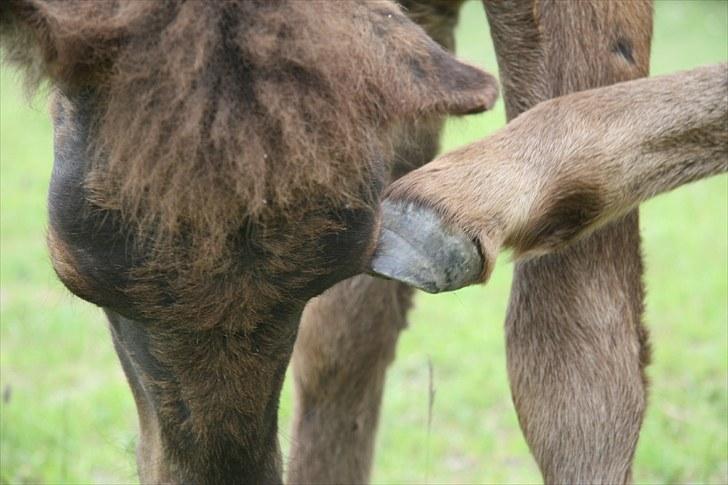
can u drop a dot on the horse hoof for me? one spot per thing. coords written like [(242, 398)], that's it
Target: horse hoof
[(416, 248)]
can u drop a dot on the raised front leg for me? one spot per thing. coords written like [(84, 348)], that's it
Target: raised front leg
[(346, 341), (553, 176)]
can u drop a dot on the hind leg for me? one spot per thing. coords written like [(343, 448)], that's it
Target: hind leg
[(346, 341)]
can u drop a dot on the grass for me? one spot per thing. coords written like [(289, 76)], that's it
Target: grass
[(67, 415)]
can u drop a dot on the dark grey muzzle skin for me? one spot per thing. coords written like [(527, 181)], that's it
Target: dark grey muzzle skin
[(99, 243), (416, 248)]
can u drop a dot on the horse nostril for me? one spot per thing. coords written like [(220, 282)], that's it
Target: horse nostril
[(416, 248)]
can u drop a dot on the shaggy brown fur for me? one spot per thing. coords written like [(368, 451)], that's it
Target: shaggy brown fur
[(217, 165), (229, 117), (227, 111)]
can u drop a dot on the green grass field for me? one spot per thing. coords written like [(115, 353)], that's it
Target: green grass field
[(68, 416)]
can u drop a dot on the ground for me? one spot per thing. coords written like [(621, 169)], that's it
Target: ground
[(68, 416)]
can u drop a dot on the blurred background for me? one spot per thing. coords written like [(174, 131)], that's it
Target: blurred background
[(68, 415)]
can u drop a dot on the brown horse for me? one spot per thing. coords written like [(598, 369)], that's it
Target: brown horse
[(218, 164)]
